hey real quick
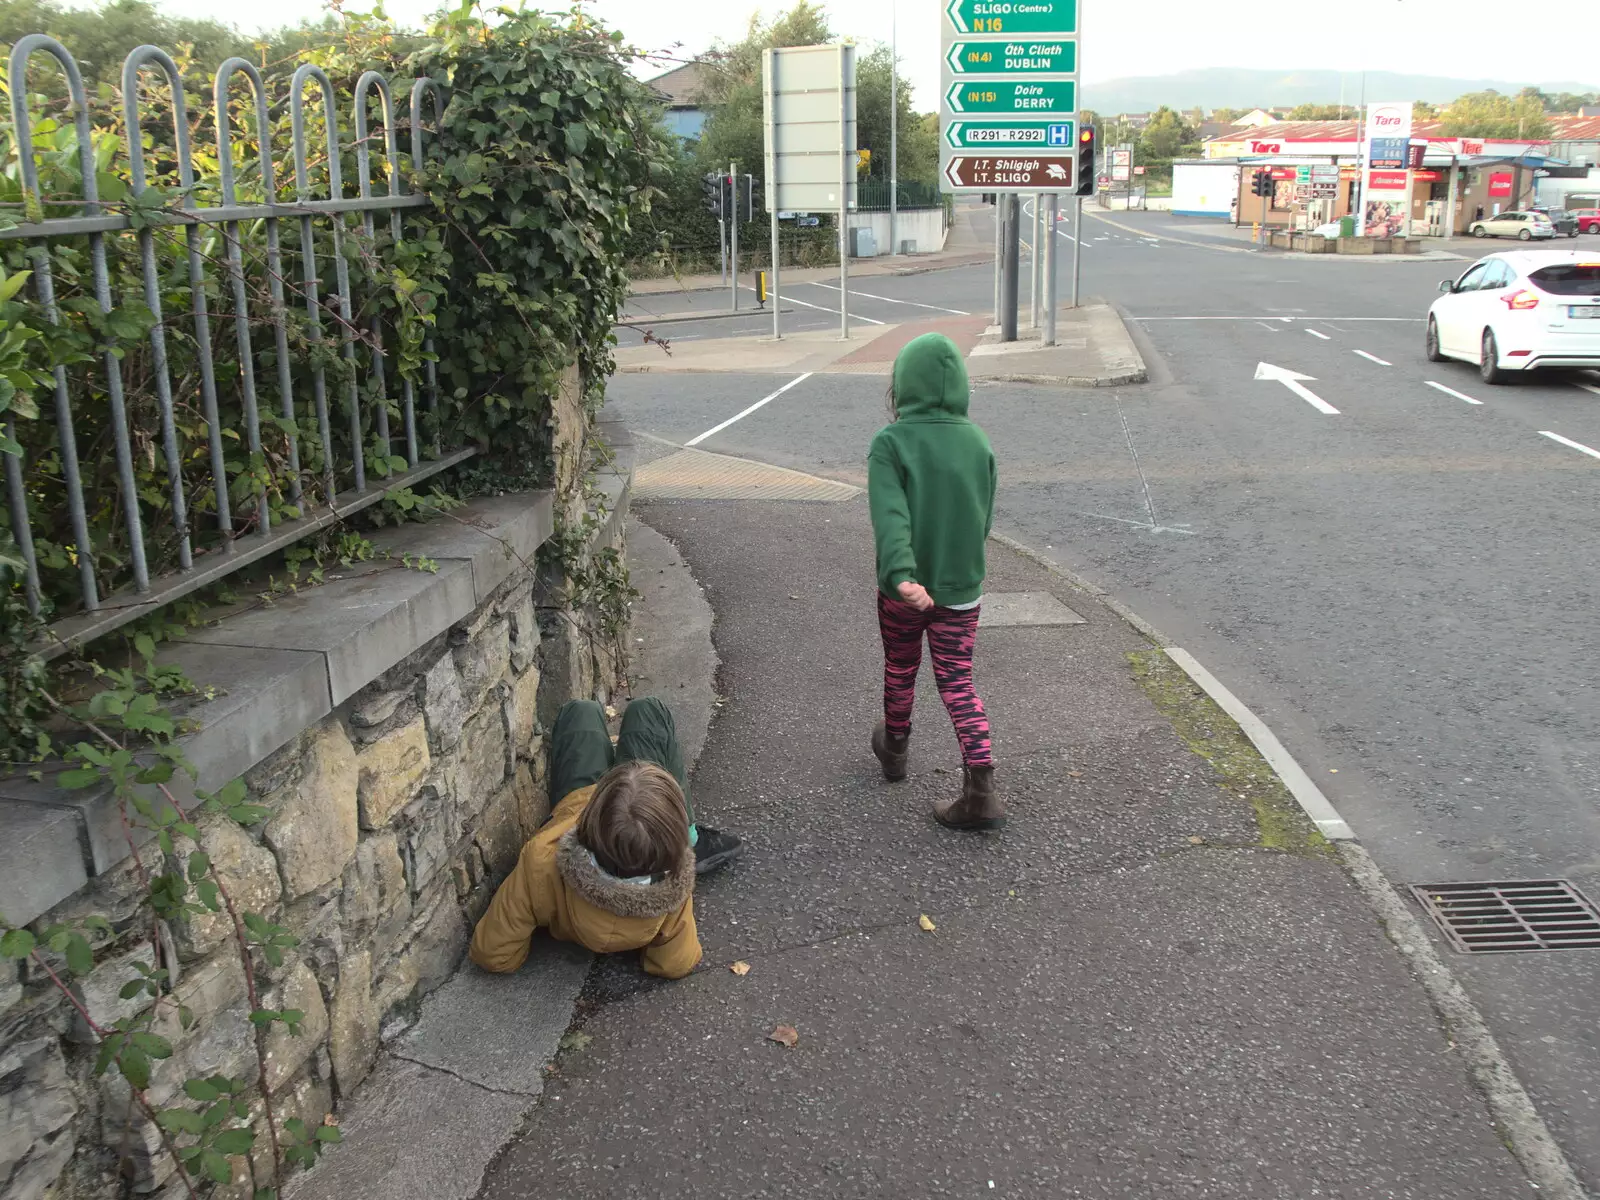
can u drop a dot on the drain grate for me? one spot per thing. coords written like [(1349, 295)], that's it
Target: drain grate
[(1517, 914)]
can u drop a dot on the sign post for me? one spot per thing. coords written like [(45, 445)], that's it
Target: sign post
[(733, 227), (1049, 336), (1008, 123), (809, 102)]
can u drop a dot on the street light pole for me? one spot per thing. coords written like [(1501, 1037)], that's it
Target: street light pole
[(894, 131)]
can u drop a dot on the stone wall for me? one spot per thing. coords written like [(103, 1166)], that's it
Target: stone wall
[(391, 819)]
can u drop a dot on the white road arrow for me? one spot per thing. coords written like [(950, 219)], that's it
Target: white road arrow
[(1292, 381)]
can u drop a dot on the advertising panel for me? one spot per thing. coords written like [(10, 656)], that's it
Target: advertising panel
[(1386, 151)]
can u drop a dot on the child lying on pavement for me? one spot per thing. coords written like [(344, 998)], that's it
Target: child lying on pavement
[(614, 867)]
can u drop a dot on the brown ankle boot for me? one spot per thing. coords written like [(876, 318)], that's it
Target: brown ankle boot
[(892, 752), (978, 807)]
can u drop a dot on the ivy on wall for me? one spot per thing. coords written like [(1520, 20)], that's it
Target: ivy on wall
[(542, 164)]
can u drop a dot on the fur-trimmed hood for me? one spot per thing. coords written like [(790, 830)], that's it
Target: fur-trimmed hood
[(599, 887), (557, 886)]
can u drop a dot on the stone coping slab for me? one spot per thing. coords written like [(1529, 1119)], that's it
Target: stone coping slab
[(273, 671)]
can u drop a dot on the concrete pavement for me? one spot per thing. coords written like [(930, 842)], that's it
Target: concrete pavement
[(1155, 982), (1093, 349), (1398, 588)]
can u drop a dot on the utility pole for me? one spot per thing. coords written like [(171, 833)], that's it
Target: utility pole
[(1008, 284), (777, 331), (894, 132), (733, 230), (1049, 335), (999, 254), (1034, 279), (1077, 245), (847, 167)]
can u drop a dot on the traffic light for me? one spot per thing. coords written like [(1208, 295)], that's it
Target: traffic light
[(1085, 162), (1261, 184), (712, 184)]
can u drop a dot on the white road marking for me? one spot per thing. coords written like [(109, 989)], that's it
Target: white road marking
[(1291, 380), (1142, 524), (1579, 446), (834, 287), (1268, 328), (1451, 392), (758, 404), (1382, 362), (822, 308), (1588, 387), (1275, 317), (1323, 336)]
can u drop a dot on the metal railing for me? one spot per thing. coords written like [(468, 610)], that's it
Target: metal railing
[(872, 194), (228, 548)]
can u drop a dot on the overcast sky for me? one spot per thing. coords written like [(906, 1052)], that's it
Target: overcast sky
[(1471, 38)]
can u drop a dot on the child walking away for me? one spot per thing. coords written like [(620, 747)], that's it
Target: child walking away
[(614, 867), (930, 483)]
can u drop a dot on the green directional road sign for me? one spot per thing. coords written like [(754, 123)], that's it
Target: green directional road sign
[(1013, 17), (1014, 97), (1025, 134), (1029, 56)]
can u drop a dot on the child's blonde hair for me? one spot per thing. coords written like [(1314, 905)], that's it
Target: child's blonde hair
[(637, 822)]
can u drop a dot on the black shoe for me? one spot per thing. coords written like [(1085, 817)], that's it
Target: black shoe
[(714, 848)]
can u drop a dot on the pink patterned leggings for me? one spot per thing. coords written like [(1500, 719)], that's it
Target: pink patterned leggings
[(951, 636)]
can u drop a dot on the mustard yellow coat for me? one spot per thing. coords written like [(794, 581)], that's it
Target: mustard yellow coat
[(557, 885)]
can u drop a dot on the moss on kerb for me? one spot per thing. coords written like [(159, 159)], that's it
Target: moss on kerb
[(1217, 738)]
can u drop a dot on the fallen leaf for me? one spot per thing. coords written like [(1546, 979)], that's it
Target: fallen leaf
[(927, 925), (1197, 841), (1075, 774), (1333, 770), (575, 1041), (331, 1120), (740, 968), (785, 1035), (611, 712)]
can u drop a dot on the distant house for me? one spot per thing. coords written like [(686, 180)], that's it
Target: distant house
[(1258, 117), (680, 90), (1135, 120)]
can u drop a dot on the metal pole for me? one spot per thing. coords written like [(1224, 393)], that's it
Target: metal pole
[(777, 332), (846, 165), (733, 231), (1077, 245), (1013, 268), (722, 248), (1034, 278), (1049, 338), (999, 253), (894, 132)]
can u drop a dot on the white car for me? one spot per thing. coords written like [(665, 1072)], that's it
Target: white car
[(1519, 311)]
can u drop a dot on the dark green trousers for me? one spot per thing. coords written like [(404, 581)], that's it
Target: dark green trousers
[(581, 750)]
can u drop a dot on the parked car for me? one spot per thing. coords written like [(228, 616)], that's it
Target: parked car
[(1524, 225), (1519, 311), (1588, 219), (1564, 222)]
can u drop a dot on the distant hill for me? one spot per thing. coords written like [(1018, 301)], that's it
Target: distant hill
[(1230, 87)]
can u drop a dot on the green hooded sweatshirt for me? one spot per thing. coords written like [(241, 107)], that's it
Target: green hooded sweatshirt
[(931, 479)]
